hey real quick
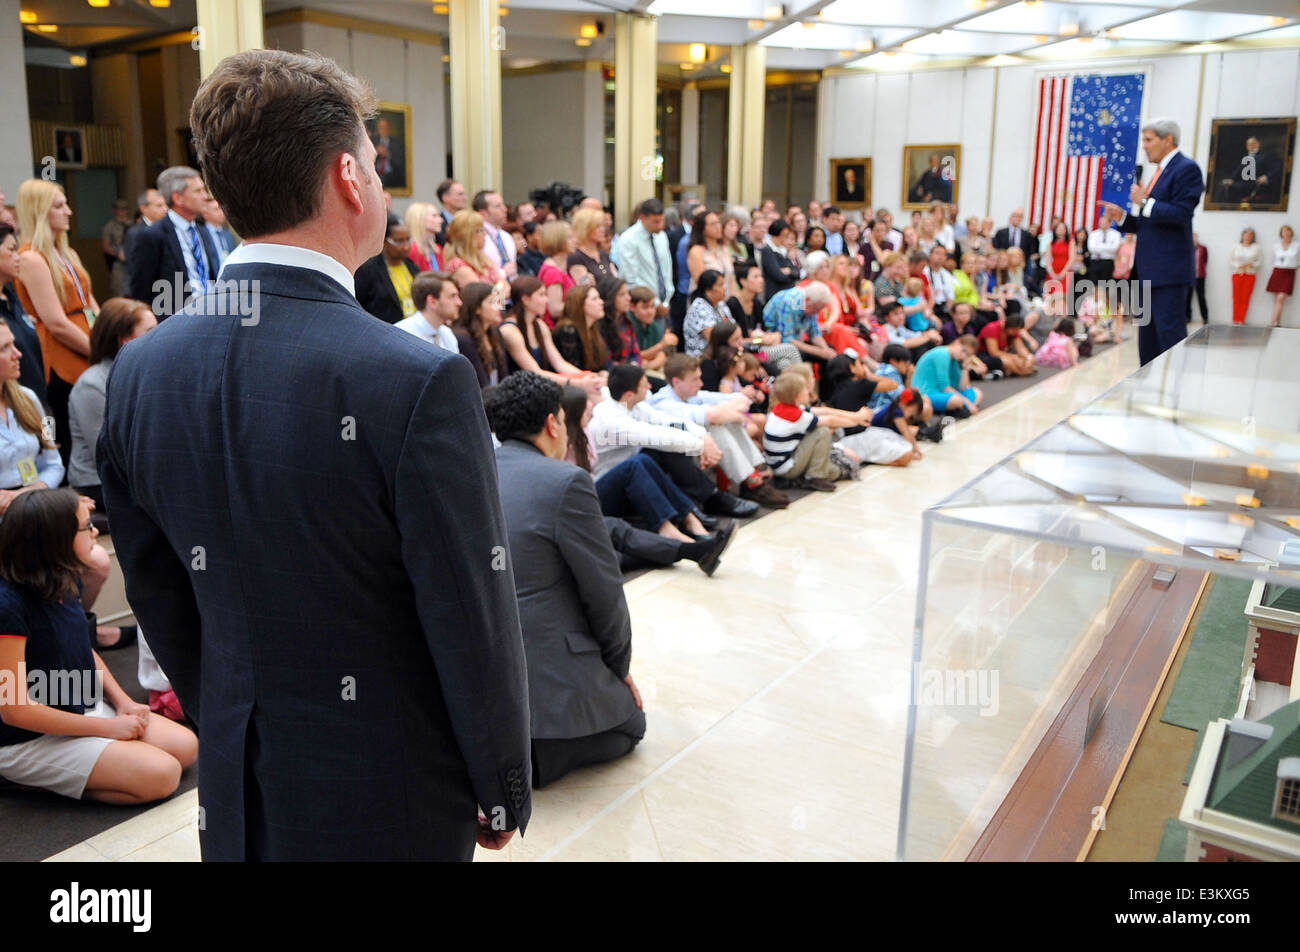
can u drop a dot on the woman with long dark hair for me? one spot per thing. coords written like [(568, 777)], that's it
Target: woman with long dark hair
[(617, 327), (576, 335), (478, 332), (528, 343), (73, 731)]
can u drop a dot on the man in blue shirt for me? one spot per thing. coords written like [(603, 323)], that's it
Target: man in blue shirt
[(943, 376), (791, 314)]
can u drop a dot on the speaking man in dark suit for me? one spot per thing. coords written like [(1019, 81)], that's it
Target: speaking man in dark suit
[(306, 513), (577, 632), (1160, 214), (174, 258)]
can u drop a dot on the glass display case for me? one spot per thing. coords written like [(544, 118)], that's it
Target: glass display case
[(1055, 588)]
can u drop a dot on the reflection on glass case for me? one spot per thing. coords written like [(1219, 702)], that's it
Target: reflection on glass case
[(1056, 588)]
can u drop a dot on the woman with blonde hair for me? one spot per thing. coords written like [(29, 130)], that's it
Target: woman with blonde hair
[(424, 222), (55, 289), (589, 233), (555, 240), (466, 261)]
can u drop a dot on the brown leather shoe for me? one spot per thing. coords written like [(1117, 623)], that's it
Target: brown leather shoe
[(766, 495)]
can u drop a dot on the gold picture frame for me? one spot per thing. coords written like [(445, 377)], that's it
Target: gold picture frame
[(390, 131), (851, 183), (1240, 182), (922, 176)]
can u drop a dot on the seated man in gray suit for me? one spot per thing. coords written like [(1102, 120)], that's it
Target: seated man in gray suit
[(577, 632)]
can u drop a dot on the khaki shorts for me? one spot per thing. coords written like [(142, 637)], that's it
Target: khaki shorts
[(56, 762)]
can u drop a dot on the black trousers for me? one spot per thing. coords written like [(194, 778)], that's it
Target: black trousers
[(59, 391), (640, 548), (685, 472), (553, 759), (1199, 288)]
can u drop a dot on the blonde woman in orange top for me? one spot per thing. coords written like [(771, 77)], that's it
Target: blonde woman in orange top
[(55, 289)]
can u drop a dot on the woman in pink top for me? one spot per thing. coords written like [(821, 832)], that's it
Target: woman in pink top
[(555, 240)]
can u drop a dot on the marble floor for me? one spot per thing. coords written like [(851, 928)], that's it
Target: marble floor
[(775, 692)]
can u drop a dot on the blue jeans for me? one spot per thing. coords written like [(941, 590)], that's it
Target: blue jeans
[(638, 483)]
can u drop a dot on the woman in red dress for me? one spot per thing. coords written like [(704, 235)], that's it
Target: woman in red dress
[(1060, 270)]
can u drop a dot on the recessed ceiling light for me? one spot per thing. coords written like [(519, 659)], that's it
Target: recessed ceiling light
[(773, 11), (160, 3), (27, 16), (697, 52), (440, 9), (76, 60), (687, 67), (47, 28), (808, 24), (98, 3), (582, 41), (756, 24), (726, 67), (1070, 29), (866, 46), (503, 11), (588, 31)]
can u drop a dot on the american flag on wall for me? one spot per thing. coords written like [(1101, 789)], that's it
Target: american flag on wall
[(1086, 145)]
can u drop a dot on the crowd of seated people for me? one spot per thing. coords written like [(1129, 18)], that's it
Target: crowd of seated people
[(649, 387)]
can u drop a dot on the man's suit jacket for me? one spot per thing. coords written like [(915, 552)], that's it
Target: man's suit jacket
[(306, 514), (577, 631), (1165, 251), (1028, 243), (153, 254), (375, 291)]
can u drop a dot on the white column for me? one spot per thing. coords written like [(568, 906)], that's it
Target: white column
[(745, 125), (227, 27), (635, 80), (690, 138), (476, 39), (16, 157)]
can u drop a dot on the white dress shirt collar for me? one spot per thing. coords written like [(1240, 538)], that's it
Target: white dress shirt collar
[(292, 256)]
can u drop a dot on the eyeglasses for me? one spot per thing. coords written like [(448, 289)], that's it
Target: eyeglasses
[(88, 528), (399, 241)]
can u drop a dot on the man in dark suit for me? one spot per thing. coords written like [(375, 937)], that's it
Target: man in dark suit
[(1160, 214), (306, 513), (1256, 178), (390, 156), (1016, 236), (577, 633), (174, 258)]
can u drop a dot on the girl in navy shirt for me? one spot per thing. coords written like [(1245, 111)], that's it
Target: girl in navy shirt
[(66, 725)]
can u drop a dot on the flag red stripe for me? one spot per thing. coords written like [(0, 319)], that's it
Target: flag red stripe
[(1037, 192)]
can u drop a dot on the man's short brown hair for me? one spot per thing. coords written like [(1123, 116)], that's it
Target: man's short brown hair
[(427, 284), (680, 366), (641, 294), (267, 124)]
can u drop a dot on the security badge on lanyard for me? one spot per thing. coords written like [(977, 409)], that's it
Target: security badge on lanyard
[(27, 470)]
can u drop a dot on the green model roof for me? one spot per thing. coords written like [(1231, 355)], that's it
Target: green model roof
[(1282, 597), (1248, 789)]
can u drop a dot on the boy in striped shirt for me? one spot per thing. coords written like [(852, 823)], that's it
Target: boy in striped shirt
[(796, 447)]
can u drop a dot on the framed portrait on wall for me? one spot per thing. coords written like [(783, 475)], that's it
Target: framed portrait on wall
[(931, 173), (1250, 164), (69, 148), (851, 183), (390, 131)]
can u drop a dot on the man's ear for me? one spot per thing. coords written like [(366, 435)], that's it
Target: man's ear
[(347, 175)]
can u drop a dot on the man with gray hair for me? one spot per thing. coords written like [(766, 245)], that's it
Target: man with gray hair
[(1160, 214), (793, 314), (174, 259)]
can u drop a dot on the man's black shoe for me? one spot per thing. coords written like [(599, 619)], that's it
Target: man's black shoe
[(725, 504)]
